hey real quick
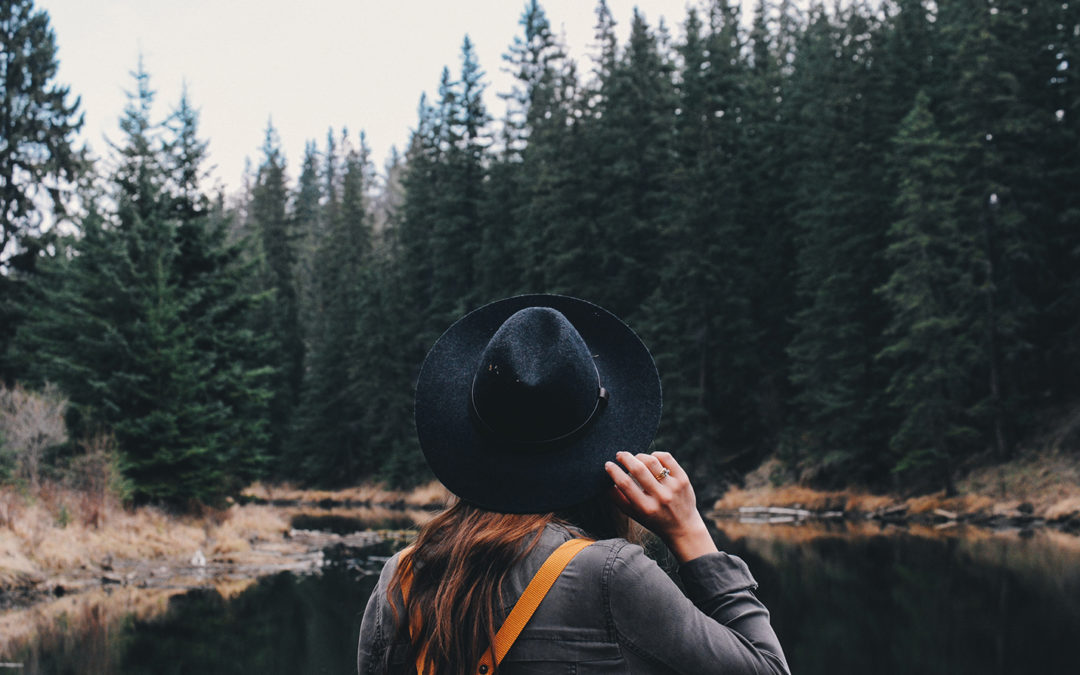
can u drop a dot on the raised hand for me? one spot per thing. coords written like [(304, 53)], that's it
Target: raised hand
[(655, 491)]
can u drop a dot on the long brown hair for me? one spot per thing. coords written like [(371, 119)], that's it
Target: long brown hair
[(458, 565)]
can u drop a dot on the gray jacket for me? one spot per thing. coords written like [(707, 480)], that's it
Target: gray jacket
[(613, 610)]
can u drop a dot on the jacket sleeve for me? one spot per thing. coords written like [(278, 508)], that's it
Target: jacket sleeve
[(718, 627), (371, 650)]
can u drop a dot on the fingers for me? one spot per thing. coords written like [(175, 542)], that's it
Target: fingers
[(644, 468), (670, 464), (626, 486), (653, 465)]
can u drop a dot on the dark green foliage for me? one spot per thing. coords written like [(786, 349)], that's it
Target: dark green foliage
[(933, 340), (850, 235), (840, 205), (698, 316), (756, 201), (38, 159), (144, 328), (327, 437), (39, 162), (628, 138), (1059, 296), (272, 227)]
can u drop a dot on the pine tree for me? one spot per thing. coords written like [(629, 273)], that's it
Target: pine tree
[(838, 206), (678, 316), (40, 164), (38, 156), (416, 225), (1062, 295), (498, 261), (539, 108), (763, 212), (308, 225), (991, 123), (184, 158), (535, 59), (459, 174), (273, 226), (628, 141), (933, 339), (144, 327), (329, 443), (705, 341)]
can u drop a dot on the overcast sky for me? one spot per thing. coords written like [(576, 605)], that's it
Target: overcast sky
[(360, 64)]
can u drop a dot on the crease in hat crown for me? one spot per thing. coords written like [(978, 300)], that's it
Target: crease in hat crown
[(536, 381)]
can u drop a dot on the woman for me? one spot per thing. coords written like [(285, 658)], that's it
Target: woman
[(535, 412)]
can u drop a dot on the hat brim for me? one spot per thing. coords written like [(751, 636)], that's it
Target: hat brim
[(482, 471)]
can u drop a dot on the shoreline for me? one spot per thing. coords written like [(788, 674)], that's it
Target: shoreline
[(54, 558), (1037, 490), (53, 561), (901, 514)]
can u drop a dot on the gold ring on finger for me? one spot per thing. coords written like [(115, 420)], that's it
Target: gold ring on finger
[(662, 475)]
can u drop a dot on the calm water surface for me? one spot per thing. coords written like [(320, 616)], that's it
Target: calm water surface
[(854, 599)]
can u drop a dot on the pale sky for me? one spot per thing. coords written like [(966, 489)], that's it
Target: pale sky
[(309, 66)]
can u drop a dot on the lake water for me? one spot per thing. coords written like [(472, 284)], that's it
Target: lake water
[(853, 598)]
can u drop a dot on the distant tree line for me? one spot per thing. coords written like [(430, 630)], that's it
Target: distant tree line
[(850, 236)]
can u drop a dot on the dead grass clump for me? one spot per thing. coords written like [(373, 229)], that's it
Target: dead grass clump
[(431, 494), (963, 503), (797, 496), (1068, 507), (95, 476), (1049, 481), (11, 507), (423, 496), (244, 526), (16, 569), (146, 533)]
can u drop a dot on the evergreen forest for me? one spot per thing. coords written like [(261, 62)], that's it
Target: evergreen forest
[(848, 232)]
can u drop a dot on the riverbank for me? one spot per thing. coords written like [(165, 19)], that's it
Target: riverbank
[(59, 554), (1038, 489), (62, 556)]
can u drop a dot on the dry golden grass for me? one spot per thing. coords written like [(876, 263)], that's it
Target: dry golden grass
[(428, 495), (1049, 482), (40, 542), (369, 517), (962, 503), (1064, 508), (16, 569), (243, 526), (146, 533), (800, 497), (47, 536)]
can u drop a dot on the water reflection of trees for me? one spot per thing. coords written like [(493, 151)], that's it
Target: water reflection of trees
[(283, 624), (852, 600), (847, 598)]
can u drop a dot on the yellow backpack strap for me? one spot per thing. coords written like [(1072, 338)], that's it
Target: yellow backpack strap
[(528, 602), (523, 609)]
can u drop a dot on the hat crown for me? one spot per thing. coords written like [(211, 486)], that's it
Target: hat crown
[(536, 380)]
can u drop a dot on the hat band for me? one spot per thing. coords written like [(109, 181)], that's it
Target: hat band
[(602, 396)]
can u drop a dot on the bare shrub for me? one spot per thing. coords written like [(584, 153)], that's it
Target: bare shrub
[(11, 507), (30, 423), (96, 476)]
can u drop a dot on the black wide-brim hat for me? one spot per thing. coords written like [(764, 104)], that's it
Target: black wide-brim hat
[(521, 402)]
